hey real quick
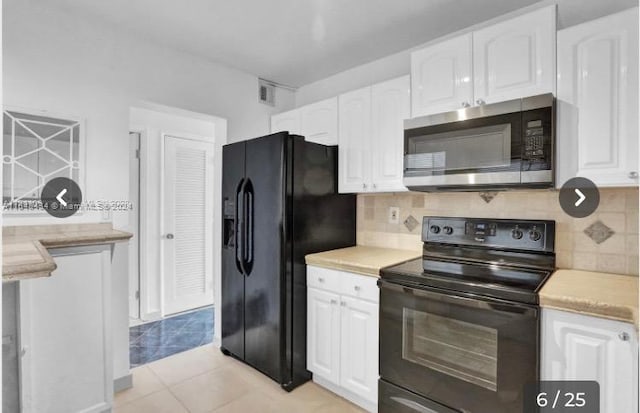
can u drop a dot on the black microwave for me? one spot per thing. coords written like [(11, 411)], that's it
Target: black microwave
[(505, 145)]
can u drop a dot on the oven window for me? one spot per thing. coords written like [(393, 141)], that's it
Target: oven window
[(480, 149), (462, 350)]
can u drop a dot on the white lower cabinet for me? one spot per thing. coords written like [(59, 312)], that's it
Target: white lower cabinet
[(323, 334), (359, 347), (65, 334), (342, 334), (579, 347)]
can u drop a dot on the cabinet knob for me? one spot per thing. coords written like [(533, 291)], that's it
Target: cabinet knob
[(479, 102), (374, 186), (334, 302), (169, 236), (633, 175), (356, 287), (624, 336), (342, 303), (321, 280), (465, 104)]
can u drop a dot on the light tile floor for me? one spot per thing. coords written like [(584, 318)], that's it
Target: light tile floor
[(204, 380)]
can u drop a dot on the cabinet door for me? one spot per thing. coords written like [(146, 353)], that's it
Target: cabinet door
[(65, 335), (354, 136), (286, 121), (598, 100), (389, 108), (578, 347), (516, 58), (323, 334), (441, 76), (319, 122), (359, 347)]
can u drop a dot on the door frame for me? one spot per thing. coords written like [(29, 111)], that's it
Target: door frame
[(198, 138), (136, 229), (142, 223)]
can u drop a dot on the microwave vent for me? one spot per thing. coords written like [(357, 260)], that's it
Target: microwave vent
[(430, 161)]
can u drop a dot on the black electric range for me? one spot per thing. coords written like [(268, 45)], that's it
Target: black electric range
[(459, 327)]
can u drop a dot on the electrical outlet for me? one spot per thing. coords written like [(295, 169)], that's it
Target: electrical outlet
[(394, 215)]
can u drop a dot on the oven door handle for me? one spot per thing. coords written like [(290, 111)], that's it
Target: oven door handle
[(484, 303), (415, 406)]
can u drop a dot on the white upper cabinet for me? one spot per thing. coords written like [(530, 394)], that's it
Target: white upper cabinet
[(508, 60), (598, 100), (579, 347), (389, 108), (287, 121), (515, 58), (319, 122), (354, 131), (371, 140), (441, 76)]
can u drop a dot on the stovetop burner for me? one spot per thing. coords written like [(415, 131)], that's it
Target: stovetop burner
[(504, 259)]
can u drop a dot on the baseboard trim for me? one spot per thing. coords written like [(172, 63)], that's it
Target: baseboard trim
[(123, 383), (346, 394)]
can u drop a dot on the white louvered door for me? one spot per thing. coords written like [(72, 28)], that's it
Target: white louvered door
[(188, 224)]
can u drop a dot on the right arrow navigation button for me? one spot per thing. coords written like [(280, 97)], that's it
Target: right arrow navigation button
[(579, 197)]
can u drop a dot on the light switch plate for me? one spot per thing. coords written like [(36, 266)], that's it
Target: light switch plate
[(394, 215)]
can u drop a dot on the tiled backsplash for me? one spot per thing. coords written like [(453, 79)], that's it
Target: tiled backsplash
[(609, 244)]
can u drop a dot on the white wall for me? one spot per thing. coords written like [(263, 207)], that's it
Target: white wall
[(388, 67), (66, 64)]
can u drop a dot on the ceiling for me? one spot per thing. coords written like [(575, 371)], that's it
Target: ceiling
[(296, 42)]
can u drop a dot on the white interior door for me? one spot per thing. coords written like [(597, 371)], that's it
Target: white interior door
[(188, 224)]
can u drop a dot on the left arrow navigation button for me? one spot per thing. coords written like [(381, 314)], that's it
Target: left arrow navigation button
[(61, 197)]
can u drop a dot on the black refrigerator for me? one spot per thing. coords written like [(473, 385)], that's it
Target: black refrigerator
[(280, 202)]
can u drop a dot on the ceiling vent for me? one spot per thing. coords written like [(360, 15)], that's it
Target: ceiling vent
[(267, 92)]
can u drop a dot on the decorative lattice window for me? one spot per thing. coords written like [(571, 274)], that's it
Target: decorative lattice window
[(37, 149)]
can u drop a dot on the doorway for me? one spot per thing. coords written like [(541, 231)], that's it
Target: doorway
[(176, 175)]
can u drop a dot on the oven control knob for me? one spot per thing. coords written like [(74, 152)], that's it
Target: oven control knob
[(447, 230), (535, 235), (516, 233), (434, 229)]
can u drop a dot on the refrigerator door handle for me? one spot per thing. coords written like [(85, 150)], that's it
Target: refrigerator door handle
[(248, 189), (240, 207)]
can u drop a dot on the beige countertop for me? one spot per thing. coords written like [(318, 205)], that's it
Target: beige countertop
[(361, 259), (591, 293), (24, 248)]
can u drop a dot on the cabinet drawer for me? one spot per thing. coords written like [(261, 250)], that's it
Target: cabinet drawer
[(360, 286), (324, 279)]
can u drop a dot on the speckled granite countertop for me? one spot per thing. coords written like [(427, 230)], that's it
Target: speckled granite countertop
[(361, 259), (591, 293), (24, 248)]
